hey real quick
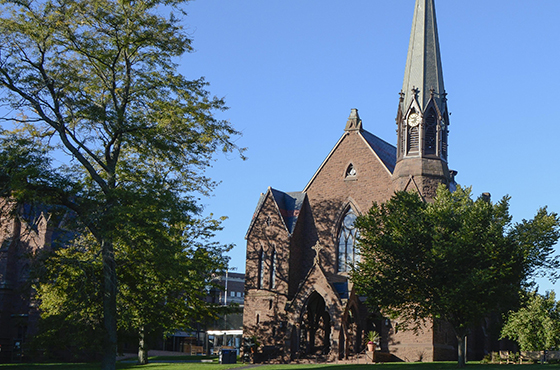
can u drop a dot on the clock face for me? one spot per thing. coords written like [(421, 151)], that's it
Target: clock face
[(414, 119)]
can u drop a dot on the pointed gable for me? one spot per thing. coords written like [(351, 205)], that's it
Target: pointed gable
[(288, 205), (382, 152)]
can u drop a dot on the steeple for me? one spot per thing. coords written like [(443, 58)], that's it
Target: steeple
[(423, 63), (422, 117)]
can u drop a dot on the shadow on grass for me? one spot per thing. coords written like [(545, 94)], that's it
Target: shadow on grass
[(121, 366), (214, 366), (409, 366)]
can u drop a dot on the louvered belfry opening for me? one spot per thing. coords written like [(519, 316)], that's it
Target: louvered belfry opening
[(430, 133)]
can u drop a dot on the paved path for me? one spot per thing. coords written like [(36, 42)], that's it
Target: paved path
[(132, 357), (150, 353)]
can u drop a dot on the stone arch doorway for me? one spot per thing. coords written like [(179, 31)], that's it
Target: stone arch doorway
[(315, 334)]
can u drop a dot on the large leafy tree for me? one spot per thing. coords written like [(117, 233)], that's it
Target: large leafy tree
[(161, 288), (455, 259), (536, 325), (97, 81)]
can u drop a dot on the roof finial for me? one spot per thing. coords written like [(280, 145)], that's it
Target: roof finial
[(354, 122)]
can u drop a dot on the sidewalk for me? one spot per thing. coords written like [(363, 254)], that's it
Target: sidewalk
[(151, 353)]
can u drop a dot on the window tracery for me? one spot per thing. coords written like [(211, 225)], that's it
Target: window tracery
[(347, 255)]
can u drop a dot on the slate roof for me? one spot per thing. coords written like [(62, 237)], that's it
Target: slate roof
[(289, 205), (385, 151), (423, 69)]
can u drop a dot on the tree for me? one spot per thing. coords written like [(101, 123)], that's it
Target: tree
[(96, 81), (164, 252), (536, 325), (455, 259), (160, 290)]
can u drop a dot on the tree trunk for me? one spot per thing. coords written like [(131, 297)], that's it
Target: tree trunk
[(461, 350), (109, 358), (142, 348)]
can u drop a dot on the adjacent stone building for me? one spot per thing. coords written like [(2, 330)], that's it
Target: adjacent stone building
[(299, 300), (27, 232)]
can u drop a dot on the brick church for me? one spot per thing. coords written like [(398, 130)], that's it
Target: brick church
[(299, 300)]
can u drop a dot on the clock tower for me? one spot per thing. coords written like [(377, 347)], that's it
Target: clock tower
[(422, 117)]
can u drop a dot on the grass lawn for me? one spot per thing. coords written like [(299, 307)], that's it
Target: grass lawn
[(125, 366), (213, 366)]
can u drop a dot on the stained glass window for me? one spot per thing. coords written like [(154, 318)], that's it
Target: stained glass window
[(347, 255)]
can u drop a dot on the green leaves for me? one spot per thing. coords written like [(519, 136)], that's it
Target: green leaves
[(96, 81), (456, 258), (537, 238), (535, 326)]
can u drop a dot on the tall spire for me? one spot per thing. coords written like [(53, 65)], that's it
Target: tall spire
[(422, 118), (423, 64)]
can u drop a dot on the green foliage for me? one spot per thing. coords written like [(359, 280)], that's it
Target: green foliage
[(373, 336), (68, 286), (455, 259), (161, 288), (536, 325), (209, 366), (95, 81)]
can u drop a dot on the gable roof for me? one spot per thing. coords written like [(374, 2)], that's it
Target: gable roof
[(288, 205), (314, 281), (384, 151)]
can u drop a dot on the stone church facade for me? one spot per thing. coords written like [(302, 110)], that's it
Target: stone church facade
[(299, 299)]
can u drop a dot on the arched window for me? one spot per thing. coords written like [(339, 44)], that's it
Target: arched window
[(347, 255), (273, 269), (443, 140), (430, 133), (413, 139), (350, 171), (260, 270)]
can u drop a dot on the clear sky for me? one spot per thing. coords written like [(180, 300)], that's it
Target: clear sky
[(291, 70)]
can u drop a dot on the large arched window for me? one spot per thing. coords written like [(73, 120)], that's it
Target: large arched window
[(347, 255)]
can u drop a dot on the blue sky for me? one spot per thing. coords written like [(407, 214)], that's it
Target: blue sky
[(292, 70)]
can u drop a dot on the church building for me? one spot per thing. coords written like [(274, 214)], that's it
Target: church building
[(299, 299)]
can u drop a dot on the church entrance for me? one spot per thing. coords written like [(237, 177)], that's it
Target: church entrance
[(315, 327)]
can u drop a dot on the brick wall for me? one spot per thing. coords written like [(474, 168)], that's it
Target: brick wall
[(263, 306)]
